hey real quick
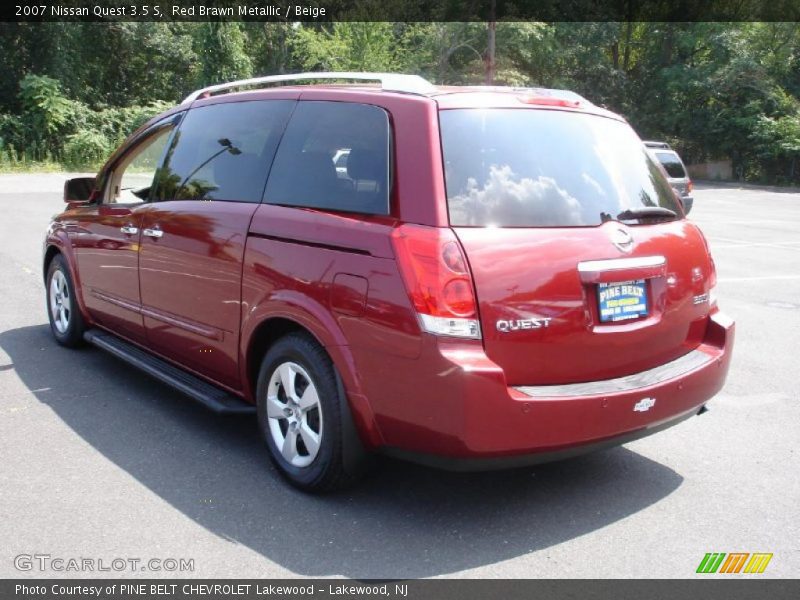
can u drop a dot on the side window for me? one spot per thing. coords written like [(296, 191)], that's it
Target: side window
[(132, 177), (335, 156), (223, 151)]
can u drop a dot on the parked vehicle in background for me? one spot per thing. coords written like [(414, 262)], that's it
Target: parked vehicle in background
[(677, 175), (469, 278)]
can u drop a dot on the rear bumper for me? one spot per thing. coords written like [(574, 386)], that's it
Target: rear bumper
[(488, 463), (490, 425)]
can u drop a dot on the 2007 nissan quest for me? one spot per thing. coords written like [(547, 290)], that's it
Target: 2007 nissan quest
[(462, 276)]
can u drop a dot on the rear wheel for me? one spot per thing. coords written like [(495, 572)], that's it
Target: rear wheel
[(304, 418), (66, 321)]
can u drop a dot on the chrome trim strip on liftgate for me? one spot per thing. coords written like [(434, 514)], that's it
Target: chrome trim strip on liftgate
[(613, 264), (684, 364)]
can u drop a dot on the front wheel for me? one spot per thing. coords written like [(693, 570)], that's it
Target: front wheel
[(304, 418), (66, 321)]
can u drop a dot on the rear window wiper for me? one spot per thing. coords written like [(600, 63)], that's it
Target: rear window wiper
[(647, 212)]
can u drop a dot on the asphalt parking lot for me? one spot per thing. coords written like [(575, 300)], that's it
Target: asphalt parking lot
[(99, 461)]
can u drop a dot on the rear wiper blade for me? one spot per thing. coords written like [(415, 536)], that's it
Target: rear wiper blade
[(646, 212)]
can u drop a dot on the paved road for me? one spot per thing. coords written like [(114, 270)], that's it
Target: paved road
[(99, 461)]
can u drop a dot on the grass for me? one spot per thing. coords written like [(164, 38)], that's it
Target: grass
[(44, 166), (13, 161), (32, 167)]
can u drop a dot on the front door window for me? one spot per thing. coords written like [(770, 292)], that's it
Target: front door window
[(133, 177)]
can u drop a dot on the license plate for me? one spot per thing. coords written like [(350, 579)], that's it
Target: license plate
[(622, 300)]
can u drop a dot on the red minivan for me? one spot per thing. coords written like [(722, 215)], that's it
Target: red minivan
[(466, 277)]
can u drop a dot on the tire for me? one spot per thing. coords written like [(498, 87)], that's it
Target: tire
[(304, 417), (66, 321)]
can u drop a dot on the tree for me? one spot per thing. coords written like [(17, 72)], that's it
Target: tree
[(351, 46), (44, 108), (221, 48), (714, 90)]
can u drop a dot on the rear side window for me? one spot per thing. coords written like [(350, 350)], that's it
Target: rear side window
[(333, 156), (545, 168), (672, 164), (223, 152)]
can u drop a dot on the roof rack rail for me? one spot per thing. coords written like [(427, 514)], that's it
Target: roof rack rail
[(394, 82)]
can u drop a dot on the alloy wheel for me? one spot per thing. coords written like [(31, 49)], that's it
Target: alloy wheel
[(60, 302), (295, 414)]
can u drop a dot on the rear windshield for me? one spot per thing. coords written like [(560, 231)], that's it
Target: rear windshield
[(672, 164), (545, 168)]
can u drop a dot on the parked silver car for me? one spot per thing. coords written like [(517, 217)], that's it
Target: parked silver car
[(676, 171)]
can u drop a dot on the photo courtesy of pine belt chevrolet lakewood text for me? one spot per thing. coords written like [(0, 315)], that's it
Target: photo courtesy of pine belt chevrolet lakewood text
[(466, 277)]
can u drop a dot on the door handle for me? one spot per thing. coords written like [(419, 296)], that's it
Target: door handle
[(129, 230), (153, 233)]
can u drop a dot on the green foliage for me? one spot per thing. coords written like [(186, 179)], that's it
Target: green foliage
[(221, 48), (72, 91), (12, 129), (351, 46), (54, 129), (778, 137), (777, 142), (84, 148), (445, 53), (44, 107)]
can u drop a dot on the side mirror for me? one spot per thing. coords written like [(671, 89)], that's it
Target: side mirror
[(79, 189)]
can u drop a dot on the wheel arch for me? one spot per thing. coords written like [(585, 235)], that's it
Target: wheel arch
[(50, 252), (272, 328), (55, 246), (265, 334)]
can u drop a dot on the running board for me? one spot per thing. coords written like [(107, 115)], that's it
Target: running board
[(210, 396)]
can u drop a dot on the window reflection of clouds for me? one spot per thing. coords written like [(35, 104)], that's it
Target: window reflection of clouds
[(593, 182), (507, 200), (517, 167)]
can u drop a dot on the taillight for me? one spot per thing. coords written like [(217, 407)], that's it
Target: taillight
[(438, 280), (712, 275), (689, 187), (712, 282)]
